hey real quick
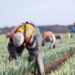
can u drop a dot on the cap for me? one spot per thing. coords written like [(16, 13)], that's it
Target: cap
[(18, 39)]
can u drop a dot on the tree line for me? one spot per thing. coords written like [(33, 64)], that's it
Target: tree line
[(43, 28)]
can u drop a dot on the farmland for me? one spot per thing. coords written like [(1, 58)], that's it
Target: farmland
[(21, 67)]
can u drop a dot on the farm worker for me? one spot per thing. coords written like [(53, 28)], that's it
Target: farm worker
[(26, 35), (68, 35), (59, 36), (48, 36), (73, 29), (74, 25)]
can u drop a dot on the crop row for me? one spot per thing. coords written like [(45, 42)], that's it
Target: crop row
[(67, 68)]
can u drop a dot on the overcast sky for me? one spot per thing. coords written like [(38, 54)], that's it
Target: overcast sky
[(40, 12)]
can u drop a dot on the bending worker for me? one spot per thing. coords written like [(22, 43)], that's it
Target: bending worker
[(59, 36), (48, 36), (68, 35), (26, 35)]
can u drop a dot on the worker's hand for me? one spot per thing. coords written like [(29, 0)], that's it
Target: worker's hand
[(16, 57), (50, 47), (10, 58), (30, 59), (32, 55)]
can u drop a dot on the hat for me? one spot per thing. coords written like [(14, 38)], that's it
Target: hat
[(18, 39)]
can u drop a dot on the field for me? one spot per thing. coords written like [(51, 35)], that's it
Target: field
[(64, 49)]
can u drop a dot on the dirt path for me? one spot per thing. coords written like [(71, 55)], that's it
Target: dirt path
[(56, 63)]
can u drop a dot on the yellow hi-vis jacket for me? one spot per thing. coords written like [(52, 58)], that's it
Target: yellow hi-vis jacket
[(20, 28)]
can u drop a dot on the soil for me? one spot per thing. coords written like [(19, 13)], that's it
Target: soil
[(56, 63)]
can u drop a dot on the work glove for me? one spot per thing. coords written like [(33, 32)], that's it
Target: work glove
[(50, 47), (16, 57), (12, 57)]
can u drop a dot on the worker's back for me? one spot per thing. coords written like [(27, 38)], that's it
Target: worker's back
[(48, 33)]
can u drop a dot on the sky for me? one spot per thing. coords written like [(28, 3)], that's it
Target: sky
[(39, 12)]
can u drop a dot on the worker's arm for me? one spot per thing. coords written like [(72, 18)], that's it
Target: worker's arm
[(53, 41), (12, 50), (32, 48), (32, 55)]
